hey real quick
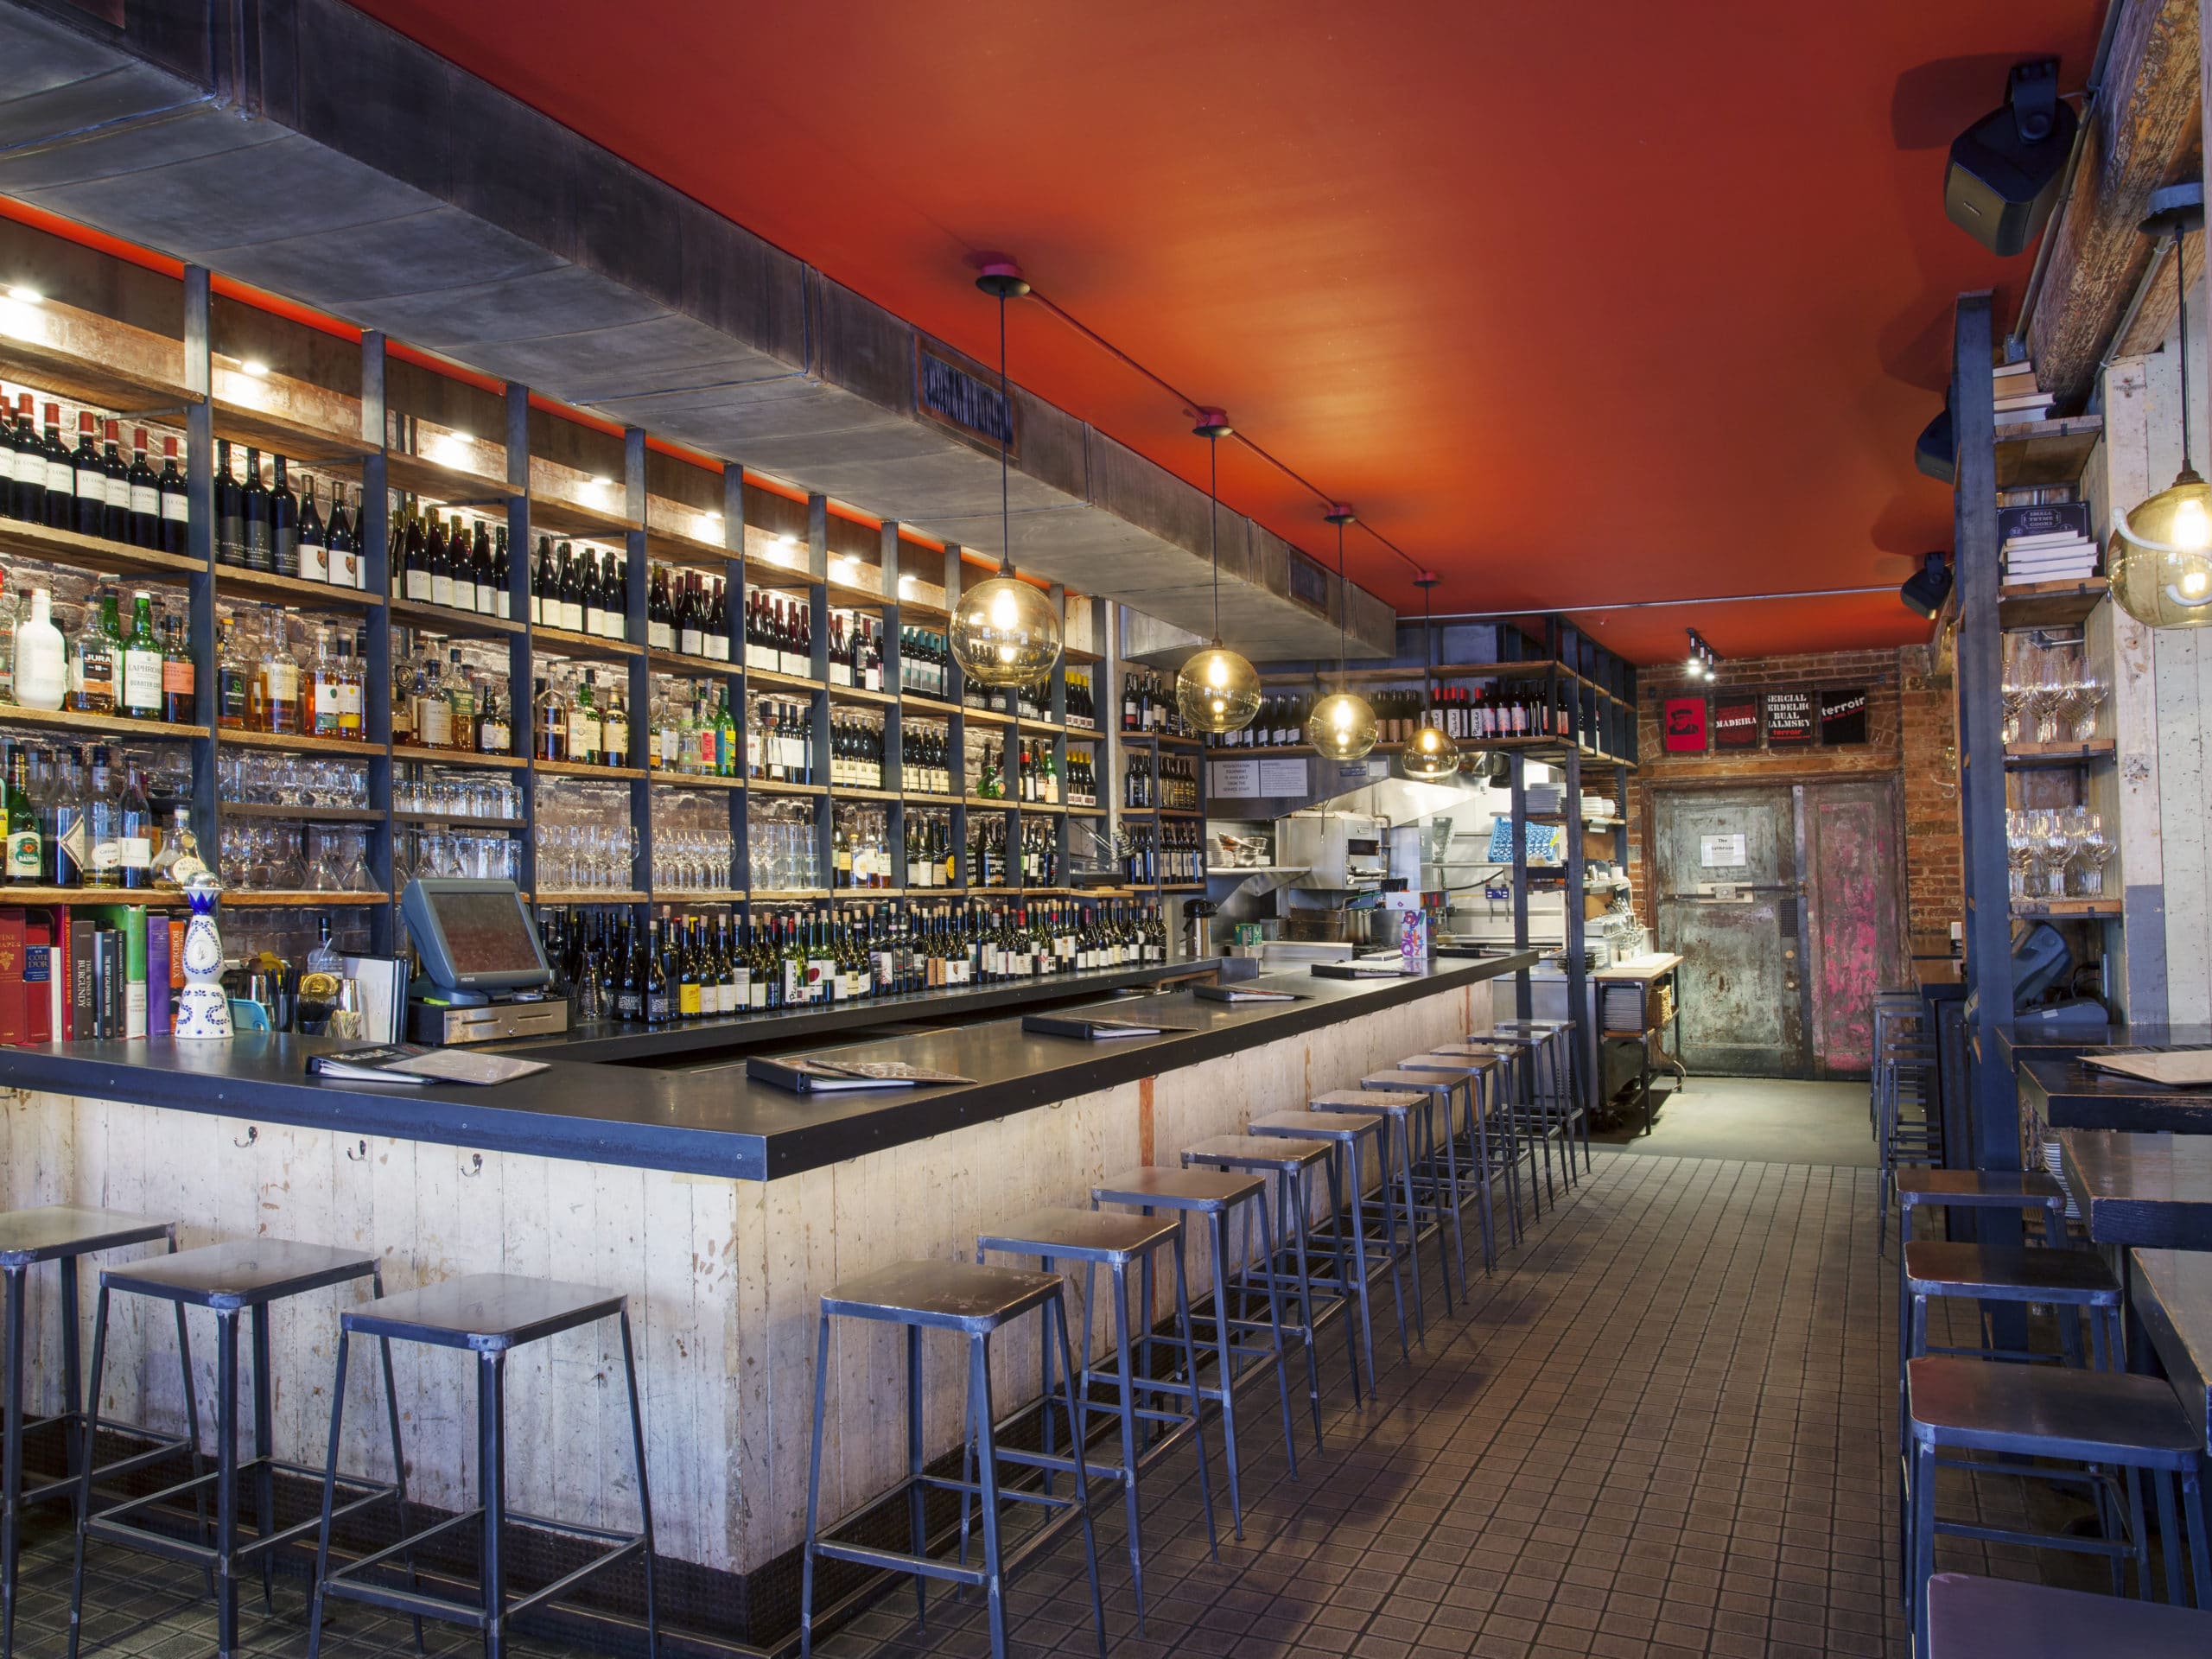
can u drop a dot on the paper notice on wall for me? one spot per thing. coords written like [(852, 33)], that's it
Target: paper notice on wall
[(1719, 851), (1283, 780), (1234, 780)]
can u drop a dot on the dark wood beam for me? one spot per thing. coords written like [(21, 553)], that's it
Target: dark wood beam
[(2143, 133)]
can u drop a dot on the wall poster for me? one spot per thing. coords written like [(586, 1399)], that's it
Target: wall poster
[(1788, 719), (1843, 716), (1735, 723), (1683, 725)]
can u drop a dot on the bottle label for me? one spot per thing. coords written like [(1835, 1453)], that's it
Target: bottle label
[(440, 588), (433, 723), (60, 478), (24, 849), (145, 500), (614, 737), (142, 681), (660, 636), (176, 505), (418, 586), (135, 852), (314, 562), (283, 680)]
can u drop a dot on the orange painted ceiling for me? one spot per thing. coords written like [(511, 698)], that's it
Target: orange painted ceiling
[(1603, 301)]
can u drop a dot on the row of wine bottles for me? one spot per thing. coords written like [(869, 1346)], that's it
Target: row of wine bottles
[(92, 489), (694, 966), (1171, 854)]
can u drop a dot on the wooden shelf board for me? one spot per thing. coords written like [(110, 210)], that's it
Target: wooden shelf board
[(68, 377), (675, 662), (1182, 742), (1047, 728), (690, 552), (769, 787), (681, 896), (769, 677), (451, 486), (593, 896), (445, 618), (860, 694), (2066, 909), (558, 516), (1087, 811), (93, 553), (2046, 452), (932, 707), (116, 727), (298, 743), (693, 780), (301, 900), (1054, 808), (923, 798), (851, 793), (788, 895), (840, 895), (562, 642), (1181, 812), (458, 758), (299, 444), (583, 769), (451, 820), (2049, 604), (293, 590), (154, 897)]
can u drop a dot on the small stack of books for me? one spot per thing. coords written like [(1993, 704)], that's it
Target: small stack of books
[(2018, 398), (2046, 543)]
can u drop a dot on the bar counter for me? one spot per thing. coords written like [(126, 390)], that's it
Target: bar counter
[(724, 1208)]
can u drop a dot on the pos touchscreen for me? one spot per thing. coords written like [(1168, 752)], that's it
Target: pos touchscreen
[(475, 936)]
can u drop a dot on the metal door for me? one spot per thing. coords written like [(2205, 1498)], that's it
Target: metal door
[(1729, 903), (1853, 930)]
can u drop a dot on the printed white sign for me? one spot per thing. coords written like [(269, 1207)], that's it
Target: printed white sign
[(1714, 850), (1235, 779), (1282, 780)]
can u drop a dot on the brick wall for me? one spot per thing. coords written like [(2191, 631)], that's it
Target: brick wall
[(1909, 733)]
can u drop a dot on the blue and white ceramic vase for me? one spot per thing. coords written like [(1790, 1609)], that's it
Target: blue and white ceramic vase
[(204, 1009)]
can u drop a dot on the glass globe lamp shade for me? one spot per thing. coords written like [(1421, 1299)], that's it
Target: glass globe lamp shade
[(2160, 559), (1342, 726), (1005, 633), (1217, 691), (1430, 756)]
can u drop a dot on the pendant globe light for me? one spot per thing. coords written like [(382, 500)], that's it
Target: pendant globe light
[(2160, 561), (1217, 691), (1004, 631), (1342, 725), (1430, 756)]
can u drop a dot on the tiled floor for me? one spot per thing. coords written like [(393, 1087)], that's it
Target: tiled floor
[(1663, 1426)]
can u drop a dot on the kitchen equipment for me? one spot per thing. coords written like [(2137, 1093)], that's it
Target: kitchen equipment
[(1341, 852)]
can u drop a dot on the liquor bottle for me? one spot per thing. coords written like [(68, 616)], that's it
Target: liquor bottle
[(174, 534), (584, 730), (660, 631), (572, 590), (717, 628), (502, 574), (494, 736), (41, 660), (142, 519), (135, 832), (483, 571), (102, 833), (350, 715), (26, 843), (438, 561), (691, 620), (280, 684), (114, 480), (311, 540), (93, 663), (259, 544), (283, 525), (25, 496), (232, 697), (139, 678), (593, 597), (549, 719), (614, 729)]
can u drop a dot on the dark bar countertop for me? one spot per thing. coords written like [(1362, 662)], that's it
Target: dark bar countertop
[(2066, 1094), (709, 1119), (2172, 1292), (2149, 1191)]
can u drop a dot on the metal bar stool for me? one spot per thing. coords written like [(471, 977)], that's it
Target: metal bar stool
[(1218, 1197), (1428, 1201), (1103, 1238), (1291, 1163), (1469, 1075), (2107, 1420), (1970, 1617), (1527, 1103), (1919, 1189), (241, 1277), (1346, 1219), (1502, 1139), (1395, 1108), (490, 1315), (65, 1233), (974, 1302), (1557, 1068)]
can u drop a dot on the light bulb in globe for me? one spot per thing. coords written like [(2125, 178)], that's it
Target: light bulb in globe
[(1430, 756), (1342, 726), (1006, 632), (2160, 557), (1217, 691)]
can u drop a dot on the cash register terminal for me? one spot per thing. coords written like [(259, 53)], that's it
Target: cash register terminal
[(485, 976)]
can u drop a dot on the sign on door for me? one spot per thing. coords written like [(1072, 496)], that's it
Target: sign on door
[(1717, 851)]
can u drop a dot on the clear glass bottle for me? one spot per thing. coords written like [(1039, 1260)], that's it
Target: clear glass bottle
[(280, 684)]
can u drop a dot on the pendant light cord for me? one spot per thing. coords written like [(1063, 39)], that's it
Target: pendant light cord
[(1344, 606), (2181, 313), (1213, 525), (1006, 425)]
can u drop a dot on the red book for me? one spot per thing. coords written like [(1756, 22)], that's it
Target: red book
[(12, 1027), (38, 977)]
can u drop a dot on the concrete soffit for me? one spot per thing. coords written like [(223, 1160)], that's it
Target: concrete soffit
[(472, 225)]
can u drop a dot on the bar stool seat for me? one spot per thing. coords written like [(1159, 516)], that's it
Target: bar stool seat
[(1112, 1239), (1999, 1272), (1219, 1197), (1347, 1218), (488, 1315), (1973, 1617), (1418, 1136), (2107, 1420), (63, 1233), (1978, 1188), (973, 1300), (242, 1277)]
